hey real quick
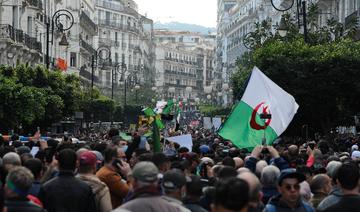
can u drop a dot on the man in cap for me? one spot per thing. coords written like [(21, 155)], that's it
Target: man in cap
[(147, 195), (289, 189), (174, 182), (87, 169)]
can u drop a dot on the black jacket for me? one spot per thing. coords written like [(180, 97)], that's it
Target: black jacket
[(66, 193), (20, 205)]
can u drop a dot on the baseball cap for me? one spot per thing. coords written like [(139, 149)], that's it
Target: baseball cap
[(173, 179), (145, 171), (354, 147), (204, 149), (290, 173), (355, 154), (88, 158)]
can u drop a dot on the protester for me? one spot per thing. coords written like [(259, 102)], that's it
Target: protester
[(87, 169), (348, 177), (194, 187), (289, 198), (18, 183), (320, 187), (231, 195), (113, 173), (65, 192), (147, 195), (173, 183)]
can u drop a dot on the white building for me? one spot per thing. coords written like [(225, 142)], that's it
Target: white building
[(20, 40), (129, 36), (185, 65)]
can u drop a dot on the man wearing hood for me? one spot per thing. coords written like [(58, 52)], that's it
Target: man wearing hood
[(87, 169)]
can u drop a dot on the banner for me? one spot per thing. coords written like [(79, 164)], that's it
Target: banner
[(182, 140), (216, 123), (207, 123)]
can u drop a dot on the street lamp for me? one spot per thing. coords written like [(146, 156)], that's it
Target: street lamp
[(189, 90), (300, 7), (56, 21), (99, 54), (137, 88)]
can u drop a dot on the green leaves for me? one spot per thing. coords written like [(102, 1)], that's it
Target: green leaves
[(323, 78)]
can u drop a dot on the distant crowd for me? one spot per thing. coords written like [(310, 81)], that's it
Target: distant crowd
[(107, 171)]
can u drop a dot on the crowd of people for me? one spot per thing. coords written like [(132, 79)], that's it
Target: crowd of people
[(106, 172)]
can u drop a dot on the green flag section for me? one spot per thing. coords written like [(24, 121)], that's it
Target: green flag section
[(156, 137), (157, 125), (244, 127), (237, 128), (125, 136), (168, 107)]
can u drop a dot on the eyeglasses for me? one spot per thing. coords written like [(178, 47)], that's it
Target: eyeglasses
[(295, 187)]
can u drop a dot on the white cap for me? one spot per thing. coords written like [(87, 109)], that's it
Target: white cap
[(354, 147), (355, 154)]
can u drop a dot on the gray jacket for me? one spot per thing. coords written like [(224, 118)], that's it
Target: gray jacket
[(333, 198), (149, 204)]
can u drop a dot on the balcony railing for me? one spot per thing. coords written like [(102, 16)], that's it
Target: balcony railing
[(87, 75), (87, 46), (87, 22), (118, 25), (116, 6), (18, 36), (35, 3), (180, 73)]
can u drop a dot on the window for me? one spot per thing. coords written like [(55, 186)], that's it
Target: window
[(72, 59), (116, 57), (29, 25)]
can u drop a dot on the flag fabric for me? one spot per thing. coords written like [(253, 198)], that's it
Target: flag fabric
[(168, 107), (182, 140), (157, 125), (244, 127)]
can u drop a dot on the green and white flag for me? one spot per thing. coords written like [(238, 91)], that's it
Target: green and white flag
[(244, 127)]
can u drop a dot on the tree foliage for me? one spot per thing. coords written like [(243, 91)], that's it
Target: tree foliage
[(322, 78), (321, 74), (34, 96)]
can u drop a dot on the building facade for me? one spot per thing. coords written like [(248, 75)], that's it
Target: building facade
[(129, 37), (237, 18), (185, 65)]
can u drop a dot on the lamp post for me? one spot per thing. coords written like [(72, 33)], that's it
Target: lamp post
[(300, 8), (99, 54), (137, 88), (56, 21)]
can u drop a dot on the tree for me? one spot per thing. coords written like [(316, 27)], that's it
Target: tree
[(322, 78)]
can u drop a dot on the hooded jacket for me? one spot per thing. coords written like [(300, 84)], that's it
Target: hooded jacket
[(275, 204), (333, 198), (100, 190)]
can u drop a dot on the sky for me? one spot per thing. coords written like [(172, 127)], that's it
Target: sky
[(200, 12)]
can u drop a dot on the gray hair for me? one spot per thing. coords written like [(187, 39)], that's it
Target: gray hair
[(269, 176), (12, 158), (21, 179), (260, 165), (332, 168)]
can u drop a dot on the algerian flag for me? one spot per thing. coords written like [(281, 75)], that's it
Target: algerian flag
[(244, 127), (168, 107)]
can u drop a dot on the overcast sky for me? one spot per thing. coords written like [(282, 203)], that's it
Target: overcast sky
[(201, 12)]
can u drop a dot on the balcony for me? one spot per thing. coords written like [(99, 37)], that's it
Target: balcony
[(84, 73), (35, 3), (179, 73), (87, 47), (17, 36), (108, 42), (117, 7), (87, 23)]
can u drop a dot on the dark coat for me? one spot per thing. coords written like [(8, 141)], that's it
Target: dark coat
[(67, 193), (22, 204)]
